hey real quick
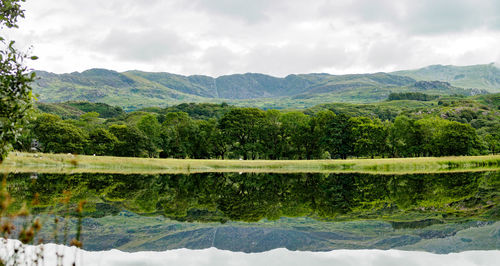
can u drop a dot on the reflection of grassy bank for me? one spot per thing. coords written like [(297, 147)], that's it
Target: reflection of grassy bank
[(61, 163)]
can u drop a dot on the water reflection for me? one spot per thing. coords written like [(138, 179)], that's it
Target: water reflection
[(278, 257), (441, 213)]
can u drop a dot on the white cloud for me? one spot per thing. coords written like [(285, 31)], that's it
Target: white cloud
[(279, 37), (145, 45), (423, 17), (277, 257)]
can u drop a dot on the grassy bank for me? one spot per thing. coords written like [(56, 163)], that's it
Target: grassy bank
[(67, 163)]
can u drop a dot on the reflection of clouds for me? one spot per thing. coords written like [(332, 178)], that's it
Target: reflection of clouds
[(285, 257), (217, 257)]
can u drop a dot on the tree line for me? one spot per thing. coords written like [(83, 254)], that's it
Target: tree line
[(416, 96), (251, 133)]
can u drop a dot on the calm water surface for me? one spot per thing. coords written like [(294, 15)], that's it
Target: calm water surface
[(254, 213)]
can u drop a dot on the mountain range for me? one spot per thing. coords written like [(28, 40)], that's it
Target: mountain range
[(137, 89)]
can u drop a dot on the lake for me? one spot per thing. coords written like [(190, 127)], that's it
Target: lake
[(320, 218)]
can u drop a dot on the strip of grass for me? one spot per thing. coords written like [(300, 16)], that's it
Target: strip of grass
[(67, 163)]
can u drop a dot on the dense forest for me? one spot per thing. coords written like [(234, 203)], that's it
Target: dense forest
[(449, 126)]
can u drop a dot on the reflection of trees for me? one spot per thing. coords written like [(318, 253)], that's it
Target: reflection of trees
[(252, 197)]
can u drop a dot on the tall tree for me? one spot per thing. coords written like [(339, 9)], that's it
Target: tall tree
[(457, 139), (370, 136), (271, 135), (295, 126), (404, 137), (178, 133), (58, 136), (15, 79), (336, 134), (326, 126), (149, 125), (101, 142), (312, 139), (429, 130), (132, 142), (241, 126), (343, 135)]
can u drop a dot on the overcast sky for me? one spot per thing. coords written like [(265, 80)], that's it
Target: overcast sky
[(277, 37)]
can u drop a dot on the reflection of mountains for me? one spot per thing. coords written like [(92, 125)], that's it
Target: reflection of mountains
[(406, 200), (131, 232)]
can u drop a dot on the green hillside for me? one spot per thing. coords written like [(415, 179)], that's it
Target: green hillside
[(73, 110), (133, 90), (106, 86), (485, 77)]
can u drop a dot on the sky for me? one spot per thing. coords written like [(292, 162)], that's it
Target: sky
[(276, 37)]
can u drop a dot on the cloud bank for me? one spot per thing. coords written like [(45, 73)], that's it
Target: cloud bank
[(279, 37)]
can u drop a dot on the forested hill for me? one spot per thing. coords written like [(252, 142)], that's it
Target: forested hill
[(132, 90)]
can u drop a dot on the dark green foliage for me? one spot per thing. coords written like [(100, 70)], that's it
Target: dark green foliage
[(404, 138), (272, 143), (206, 142), (369, 137), (58, 136), (458, 139), (101, 142), (131, 141), (178, 135), (15, 79), (149, 125), (441, 137), (243, 129), (104, 110), (294, 131), (203, 111), (417, 96), (73, 110), (336, 132), (326, 128), (492, 141), (65, 112), (387, 110)]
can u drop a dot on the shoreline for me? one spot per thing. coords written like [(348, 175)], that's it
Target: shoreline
[(67, 163)]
